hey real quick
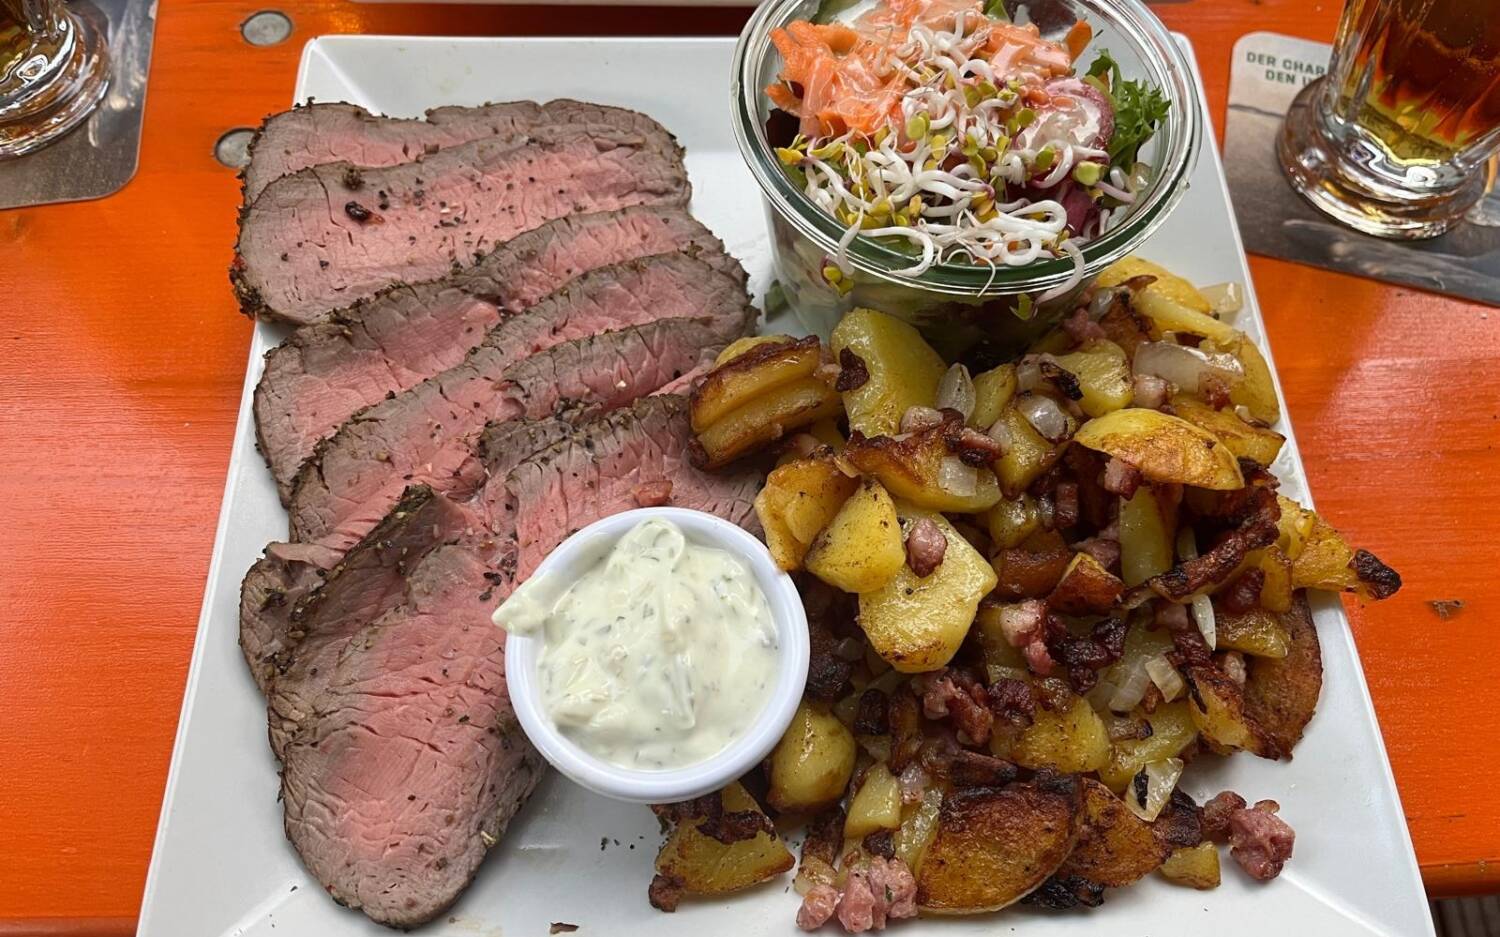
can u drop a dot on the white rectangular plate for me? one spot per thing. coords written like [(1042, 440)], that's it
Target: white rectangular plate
[(223, 867)]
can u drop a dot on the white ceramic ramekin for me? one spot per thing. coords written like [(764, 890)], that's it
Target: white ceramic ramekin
[(581, 551)]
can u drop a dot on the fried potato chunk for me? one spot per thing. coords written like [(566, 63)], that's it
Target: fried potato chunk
[(861, 548), (697, 857), (912, 469), (994, 847), (890, 366), (917, 623), (1281, 694), (1193, 867), (1164, 448), (1115, 847), (756, 369), (812, 764), (798, 501)]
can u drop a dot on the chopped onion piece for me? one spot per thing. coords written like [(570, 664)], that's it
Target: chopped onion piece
[(918, 829), (847, 708), (1161, 780), (1187, 544), (1166, 677), (956, 392), (813, 871), (1101, 302), (1186, 367), (1202, 608), (1000, 433), (1046, 416), (1203, 615), (1225, 298), (1029, 373), (919, 418), (956, 478), (1130, 691)]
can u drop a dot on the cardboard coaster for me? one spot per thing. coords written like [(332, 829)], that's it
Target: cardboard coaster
[(1267, 72)]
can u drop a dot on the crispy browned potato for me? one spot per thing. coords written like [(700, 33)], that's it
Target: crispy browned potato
[(1326, 561), (1281, 694), (993, 392), (876, 805), (1148, 530), (1073, 740), (807, 493), (993, 847), (1033, 569), (1115, 847), (1244, 440), (1193, 867), (1165, 283), (1217, 705), (1172, 730), (764, 419), (911, 469), (1103, 376), (1276, 594), (706, 865), (755, 371), (1164, 448), (1086, 588)]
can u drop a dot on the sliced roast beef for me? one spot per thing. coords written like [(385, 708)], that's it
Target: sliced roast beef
[(323, 237), (605, 467), (312, 134), (370, 581), (410, 763), (328, 370), (281, 578), (426, 434)]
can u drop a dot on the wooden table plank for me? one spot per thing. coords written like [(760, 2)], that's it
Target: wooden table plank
[(122, 357)]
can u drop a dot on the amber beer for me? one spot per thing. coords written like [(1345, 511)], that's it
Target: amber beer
[(53, 72), (1421, 76), (1394, 140)]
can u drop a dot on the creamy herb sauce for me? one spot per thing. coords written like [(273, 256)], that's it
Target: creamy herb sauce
[(658, 656)]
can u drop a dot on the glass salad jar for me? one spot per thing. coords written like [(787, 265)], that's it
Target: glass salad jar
[(957, 305)]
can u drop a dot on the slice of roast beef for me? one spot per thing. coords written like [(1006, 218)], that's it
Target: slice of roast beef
[(410, 764), (369, 580), (282, 577), (426, 434), (613, 464), (312, 134), (328, 370), (323, 237)]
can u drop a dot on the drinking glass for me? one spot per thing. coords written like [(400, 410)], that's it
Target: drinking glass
[(1396, 139), (53, 72)]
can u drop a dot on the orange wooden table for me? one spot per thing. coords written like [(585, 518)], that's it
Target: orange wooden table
[(122, 357)]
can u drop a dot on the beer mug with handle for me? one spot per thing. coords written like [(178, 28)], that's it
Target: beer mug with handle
[(1396, 139)]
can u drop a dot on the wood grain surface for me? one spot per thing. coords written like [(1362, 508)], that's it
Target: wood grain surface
[(122, 357)]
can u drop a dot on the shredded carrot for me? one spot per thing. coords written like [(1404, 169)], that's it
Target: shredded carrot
[(844, 86)]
